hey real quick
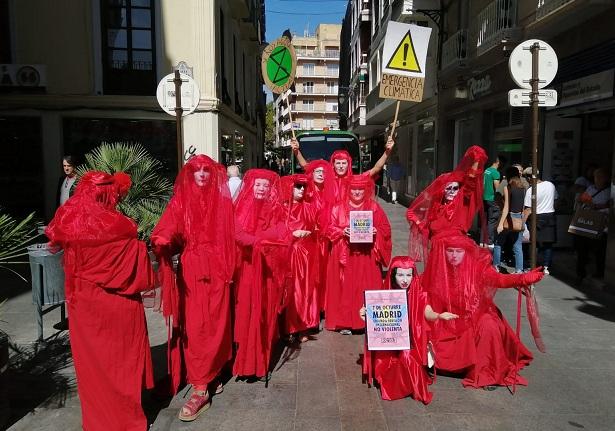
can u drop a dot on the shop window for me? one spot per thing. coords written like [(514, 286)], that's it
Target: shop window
[(128, 39), (21, 178)]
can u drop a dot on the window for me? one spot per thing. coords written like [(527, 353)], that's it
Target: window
[(332, 124), (308, 123), (308, 105), (128, 47), (308, 69), (308, 87), (331, 107), (332, 87), (332, 69)]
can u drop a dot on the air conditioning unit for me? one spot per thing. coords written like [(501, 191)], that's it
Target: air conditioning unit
[(23, 75)]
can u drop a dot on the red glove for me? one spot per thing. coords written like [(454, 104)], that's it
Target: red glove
[(532, 277)]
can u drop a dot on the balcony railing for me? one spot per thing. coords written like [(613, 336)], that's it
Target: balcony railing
[(327, 53), (492, 23), (545, 7), (455, 49)]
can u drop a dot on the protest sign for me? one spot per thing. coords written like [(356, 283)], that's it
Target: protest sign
[(361, 226), (278, 65), (386, 319)]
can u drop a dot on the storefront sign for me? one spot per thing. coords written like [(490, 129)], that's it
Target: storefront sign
[(479, 87), (386, 318), (587, 89)]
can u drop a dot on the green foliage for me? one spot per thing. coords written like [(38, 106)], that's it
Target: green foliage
[(150, 191), (15, 236), (269, 126)]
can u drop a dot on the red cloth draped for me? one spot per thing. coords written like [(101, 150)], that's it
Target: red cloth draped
[(402, 373), (302, 310), (340, 186), (262, 268), (354, 268), (106, 267), (198, 223), (429, 213), (479, 344)]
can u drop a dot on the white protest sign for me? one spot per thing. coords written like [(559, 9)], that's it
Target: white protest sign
[(404, 55)]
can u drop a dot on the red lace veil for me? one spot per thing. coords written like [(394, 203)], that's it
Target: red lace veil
[(429, 204), (362, 182), (342, 155), (327, 189), (89, 216), (253, 214)]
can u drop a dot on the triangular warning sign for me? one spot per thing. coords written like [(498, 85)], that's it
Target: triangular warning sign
[(404, 56)]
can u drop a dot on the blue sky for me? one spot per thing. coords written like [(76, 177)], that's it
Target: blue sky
[(299, 15)]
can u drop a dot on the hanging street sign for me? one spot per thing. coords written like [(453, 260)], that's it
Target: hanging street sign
[(403, 61), (190, 94), (520, 97), (278, 65), (520, 64)]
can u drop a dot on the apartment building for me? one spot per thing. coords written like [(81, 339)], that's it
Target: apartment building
[(468, 104), (314, 100), (76, 73)]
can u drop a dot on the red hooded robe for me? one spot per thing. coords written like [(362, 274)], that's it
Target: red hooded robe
[(106, 268), (354, 268)]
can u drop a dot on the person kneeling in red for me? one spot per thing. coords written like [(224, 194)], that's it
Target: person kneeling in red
[(106, 267), (480, 344)]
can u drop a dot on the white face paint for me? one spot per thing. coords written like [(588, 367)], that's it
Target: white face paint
[(340, 166), (319, 175), (261, 188), (450, 190), (201, 176), (403, 277), (298, 192), (357, 195), (455, 255)]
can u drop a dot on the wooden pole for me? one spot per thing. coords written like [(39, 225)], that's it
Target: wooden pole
[(292, 131), (177, 80), (392, 134), (534, 49)]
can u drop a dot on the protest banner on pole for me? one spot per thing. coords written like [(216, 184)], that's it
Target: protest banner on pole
[(403, 63), (361, 226), (386, 319)]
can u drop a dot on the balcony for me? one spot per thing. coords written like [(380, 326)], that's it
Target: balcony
[(495, 23), (559, 16), (286, 127), (318, 54), (545, 7), (455, 50)]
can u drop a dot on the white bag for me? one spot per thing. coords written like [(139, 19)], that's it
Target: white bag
[(526, 234)]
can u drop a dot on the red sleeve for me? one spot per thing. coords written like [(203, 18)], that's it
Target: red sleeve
[(383, 244), (334, 231), (167, 236)]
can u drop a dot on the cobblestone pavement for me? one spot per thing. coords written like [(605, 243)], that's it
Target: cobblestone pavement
[(318, 386)]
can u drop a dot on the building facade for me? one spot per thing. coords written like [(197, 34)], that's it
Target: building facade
[(468, 105), (314, 102), (89, 73)]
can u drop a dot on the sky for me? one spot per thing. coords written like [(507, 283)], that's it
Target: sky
[(299, 15)]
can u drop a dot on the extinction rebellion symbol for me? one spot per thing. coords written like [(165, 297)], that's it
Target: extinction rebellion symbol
[(279, 62)]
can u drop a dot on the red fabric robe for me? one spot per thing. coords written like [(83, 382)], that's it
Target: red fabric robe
[(354, 268), (105, 269), (302, 303)]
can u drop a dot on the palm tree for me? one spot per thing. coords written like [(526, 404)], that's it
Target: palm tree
[(150, 191), (14, 237)]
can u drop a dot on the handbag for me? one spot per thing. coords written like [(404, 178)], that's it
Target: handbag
[(513, 224), (588, 222)]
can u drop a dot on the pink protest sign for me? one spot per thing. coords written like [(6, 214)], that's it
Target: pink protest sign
[(361, 226), (386, 317)]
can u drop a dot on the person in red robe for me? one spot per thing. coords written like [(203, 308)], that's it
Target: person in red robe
[(321, 194), (480, 345), (262, 271), (106, 267), (198, 225), (354, 267), (302, 312)]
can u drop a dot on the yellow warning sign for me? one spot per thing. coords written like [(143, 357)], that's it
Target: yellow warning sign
[(404, 56)]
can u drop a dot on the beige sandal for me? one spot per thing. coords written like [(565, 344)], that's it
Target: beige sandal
[(199, 402)]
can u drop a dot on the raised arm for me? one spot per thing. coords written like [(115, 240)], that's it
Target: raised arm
[(294, 144), (383, 159)]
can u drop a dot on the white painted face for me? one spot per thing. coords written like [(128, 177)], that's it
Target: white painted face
[(357, 195), (455, 255), (201, 176), (340, 166), (298, 192), (403, 277), (450, 190), (261, 188), (319, 175)]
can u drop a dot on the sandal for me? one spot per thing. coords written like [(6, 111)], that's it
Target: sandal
[(199, 402), (219, 388)]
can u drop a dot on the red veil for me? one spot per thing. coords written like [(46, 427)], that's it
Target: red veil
[(323, 195), (251, 213), (429, 214), (342, 155)]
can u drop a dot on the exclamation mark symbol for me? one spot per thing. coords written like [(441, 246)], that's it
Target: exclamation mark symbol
[(405, 52)]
